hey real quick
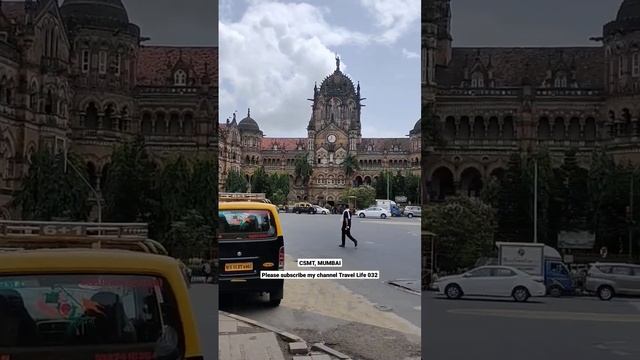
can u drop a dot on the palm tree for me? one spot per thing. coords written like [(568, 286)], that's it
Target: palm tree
[(350, 165)]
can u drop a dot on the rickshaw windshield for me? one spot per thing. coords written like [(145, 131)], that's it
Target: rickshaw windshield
[(248, 224), (70, 310)]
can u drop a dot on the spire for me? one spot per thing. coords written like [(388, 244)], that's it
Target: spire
[(248, 112), (337, 63), (358, 88)]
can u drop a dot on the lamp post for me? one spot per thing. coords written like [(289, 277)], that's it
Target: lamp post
[(535, 200), (95, 192), (630, 213)]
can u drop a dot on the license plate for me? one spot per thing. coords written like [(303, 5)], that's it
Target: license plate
[(238, 266)]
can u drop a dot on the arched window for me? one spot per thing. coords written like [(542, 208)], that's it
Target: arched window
[(146, 123), (91, 116), (48, 106), (561, 81), (635, 61), (477, 80), (180, 78)]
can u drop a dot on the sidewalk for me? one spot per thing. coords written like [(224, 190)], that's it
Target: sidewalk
[(241, 338)]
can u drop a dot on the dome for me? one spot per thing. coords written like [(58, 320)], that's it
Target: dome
[(248, 124), (417, 128), (112, 10), (630, 9), (337, 84)]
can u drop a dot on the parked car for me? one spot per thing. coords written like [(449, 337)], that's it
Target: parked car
[(320, 210), (374, 211), (498, 281), (411, 211), (303, 208), (607, 280)]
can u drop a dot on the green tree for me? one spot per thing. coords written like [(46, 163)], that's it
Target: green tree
[(278, 198), (260, 181), (130, 190), (514, 222), (412, 188), (278, 184), (190, 236), (47, 191), (576, 210), (364, 196), (235, 182), (203, 193), (303, 169), (491, 192), (350, 165), (465, 230), (398, 186), (380, 184)]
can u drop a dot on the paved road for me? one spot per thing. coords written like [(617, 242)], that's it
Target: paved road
[(582, 328), (391, 246), (344, 314), (204, 299)]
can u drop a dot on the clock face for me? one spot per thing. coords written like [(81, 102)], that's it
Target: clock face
[(331, 138)]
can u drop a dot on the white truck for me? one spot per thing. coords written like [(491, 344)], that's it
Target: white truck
[(389, 205), (537, 260)]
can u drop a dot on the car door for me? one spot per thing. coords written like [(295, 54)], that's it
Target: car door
[(502, 282), (636, 281), (623, 278), (475, 281)]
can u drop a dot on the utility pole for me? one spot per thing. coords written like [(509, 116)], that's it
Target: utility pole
[(388, 186), (95, 192), (535, 200), (631, 215)]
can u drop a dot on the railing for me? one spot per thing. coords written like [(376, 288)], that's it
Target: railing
[(569, 92), (168, 90), (257, 197), (479, 92)]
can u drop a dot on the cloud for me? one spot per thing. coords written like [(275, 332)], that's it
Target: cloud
[(410, 54), (270, 59), (395, 17)]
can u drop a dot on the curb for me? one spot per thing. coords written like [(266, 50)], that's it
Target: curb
[(287, 336)]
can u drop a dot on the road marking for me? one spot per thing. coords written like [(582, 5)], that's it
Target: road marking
[(550, 315), (635, 304), (390, 222)]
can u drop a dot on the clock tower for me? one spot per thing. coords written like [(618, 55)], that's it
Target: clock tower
[(334, 128)]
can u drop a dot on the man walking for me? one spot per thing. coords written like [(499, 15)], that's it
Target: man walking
[(346, 226)]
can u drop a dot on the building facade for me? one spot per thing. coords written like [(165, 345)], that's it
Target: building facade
[(334, 134), (77, 76), (492, 102)]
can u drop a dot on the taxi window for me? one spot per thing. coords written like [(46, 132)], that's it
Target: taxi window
[(247, 223), (67, 311)]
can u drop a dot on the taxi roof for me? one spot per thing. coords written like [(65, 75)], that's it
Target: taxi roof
[(237, 205), (89, 260)]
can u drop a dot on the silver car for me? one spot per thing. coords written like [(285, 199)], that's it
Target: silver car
[(609, 279), (411, 211)]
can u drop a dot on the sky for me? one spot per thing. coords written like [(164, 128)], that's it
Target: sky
[(192, 23), (530, 23), (272, 52)]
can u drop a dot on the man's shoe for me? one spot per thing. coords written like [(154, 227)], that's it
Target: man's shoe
[(340, 245)]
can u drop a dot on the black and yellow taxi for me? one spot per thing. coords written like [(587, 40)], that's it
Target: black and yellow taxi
[(68, 294), (250, 240)]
